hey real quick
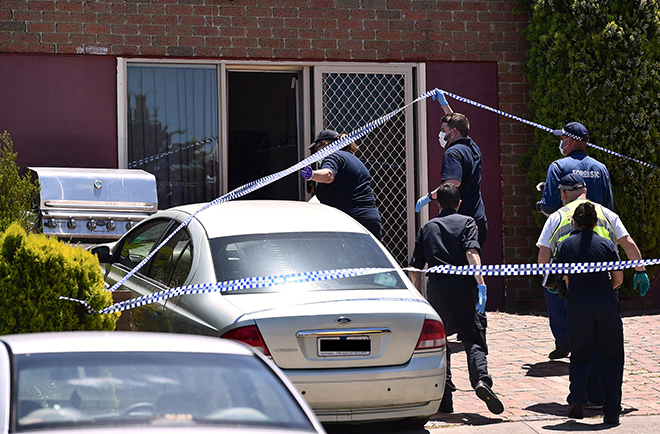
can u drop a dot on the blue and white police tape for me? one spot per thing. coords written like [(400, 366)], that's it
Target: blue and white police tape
[(255, 185), (537, 269), (316, 276), (335, 146), (539, 126), (234, 285), (143, 161)]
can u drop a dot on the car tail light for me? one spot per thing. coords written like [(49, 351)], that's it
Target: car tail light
[(249, 335), (433, 335)]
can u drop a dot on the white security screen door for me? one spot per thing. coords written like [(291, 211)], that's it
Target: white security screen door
[(352, 96)]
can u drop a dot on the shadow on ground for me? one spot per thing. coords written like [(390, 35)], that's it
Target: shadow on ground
[(546, 369), (576, 426), (555, 409)]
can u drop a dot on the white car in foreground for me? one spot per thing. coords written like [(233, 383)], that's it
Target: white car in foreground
[(119, 382), (364, 348)]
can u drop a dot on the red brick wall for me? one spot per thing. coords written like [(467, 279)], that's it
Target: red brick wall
[(312, 30)]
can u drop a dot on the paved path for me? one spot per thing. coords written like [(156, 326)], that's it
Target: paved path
[(533, 388)]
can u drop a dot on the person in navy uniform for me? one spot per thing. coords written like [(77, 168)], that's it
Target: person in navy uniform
[(344, 182), (461, 165), (593, 317), (573, 144), (451, 238)]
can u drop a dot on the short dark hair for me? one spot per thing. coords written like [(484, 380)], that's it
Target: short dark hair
[(458, 121), (448, 196), (585, 215)]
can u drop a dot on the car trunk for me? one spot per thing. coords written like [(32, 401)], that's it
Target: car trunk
[(331, 330)]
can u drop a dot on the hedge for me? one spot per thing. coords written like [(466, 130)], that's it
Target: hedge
[(598, 62), (16, 192), (35, 270)]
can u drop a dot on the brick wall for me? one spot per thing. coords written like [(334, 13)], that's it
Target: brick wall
[(313, 30)]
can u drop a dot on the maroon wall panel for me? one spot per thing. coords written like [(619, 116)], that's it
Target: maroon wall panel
[(60, 110), (478, 82)]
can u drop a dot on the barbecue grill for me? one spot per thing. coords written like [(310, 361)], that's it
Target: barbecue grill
[(88, 204)]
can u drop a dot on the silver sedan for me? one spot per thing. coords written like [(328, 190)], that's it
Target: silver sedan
[(144, 382), (362, 348)]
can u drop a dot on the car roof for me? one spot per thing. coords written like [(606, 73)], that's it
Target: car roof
[(243, 217), (117, 341)]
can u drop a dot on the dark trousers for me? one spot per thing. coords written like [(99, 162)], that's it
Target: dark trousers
[(482, 227), (457, 296), (557, 317), (373, 225), (595, 325)]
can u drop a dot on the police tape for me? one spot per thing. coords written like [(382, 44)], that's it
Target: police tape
[(539, 126), (143, 161), (262, 182), (233, 285), (333, 147), (317, 276), (538, 269)]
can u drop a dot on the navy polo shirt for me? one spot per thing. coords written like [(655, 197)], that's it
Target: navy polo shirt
[(444, 240), (462, 161), (351, 190), (584, 245), (595, 175)]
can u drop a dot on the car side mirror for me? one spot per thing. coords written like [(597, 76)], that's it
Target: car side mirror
[(103, 253)]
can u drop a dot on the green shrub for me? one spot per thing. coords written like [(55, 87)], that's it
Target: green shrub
[(598, 62), (35, 270), (16, 193)]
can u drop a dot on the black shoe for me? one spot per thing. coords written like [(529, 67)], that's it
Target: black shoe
[(560, 352), (612, 419), (576, 411), (486, 394), (591, 406)]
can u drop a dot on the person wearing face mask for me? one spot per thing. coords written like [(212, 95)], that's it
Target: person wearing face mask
[(461, 166), (572, 144)]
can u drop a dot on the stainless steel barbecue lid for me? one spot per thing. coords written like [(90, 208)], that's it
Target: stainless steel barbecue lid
[(93, 203)]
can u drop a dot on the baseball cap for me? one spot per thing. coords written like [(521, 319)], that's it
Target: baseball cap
[(574, 130), (571, 182), (323, 136)]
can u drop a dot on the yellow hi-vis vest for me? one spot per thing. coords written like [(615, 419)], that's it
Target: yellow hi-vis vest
[(603, 226)]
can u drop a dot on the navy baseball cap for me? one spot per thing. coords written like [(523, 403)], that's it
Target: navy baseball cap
[(571, 182), (574, 130), (325, 135)]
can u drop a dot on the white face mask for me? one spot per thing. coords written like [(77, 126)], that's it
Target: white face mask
[(442, 138), (561, 149)]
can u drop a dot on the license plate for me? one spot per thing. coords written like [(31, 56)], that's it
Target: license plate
[(344, 346)]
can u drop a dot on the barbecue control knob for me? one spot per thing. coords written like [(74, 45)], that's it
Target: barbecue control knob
[(129, 224), (91, 225), (111, 226), (71, 224), (50, 223)]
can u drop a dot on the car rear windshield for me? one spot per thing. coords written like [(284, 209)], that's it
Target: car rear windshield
[(239, 257), (59, 391)]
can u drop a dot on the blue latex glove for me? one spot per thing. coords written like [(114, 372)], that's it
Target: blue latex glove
[(641, 280), (481, 305), (440, 97), (307, 173), (422, 202)]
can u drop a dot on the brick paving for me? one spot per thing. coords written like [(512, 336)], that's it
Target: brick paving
[(532, 387)]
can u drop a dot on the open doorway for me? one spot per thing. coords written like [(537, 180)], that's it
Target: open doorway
[(263, 132)]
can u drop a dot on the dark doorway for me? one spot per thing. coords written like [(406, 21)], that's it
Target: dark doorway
[(263, 132)]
